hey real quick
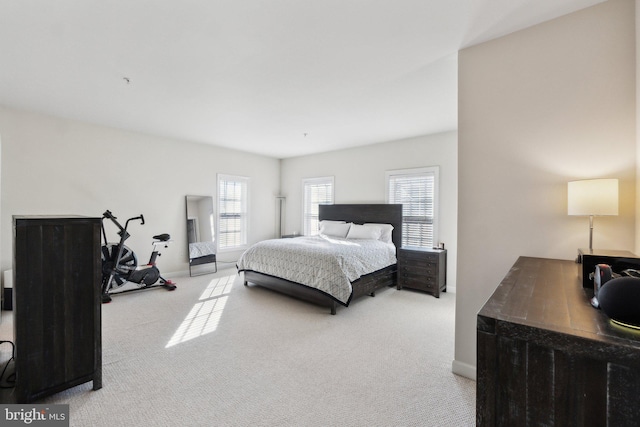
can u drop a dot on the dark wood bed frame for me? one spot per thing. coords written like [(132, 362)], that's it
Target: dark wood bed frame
[(366, 285)]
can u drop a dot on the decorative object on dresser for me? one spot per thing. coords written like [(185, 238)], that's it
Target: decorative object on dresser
[(57, 305), (422, 268), (374, 214), (547, 358), (619, 298), (592, 257)]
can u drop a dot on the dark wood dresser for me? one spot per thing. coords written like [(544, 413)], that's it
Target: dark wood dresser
[(547, 358), (423, 269), (57, 306)]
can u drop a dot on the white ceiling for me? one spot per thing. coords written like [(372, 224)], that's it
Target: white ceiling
[(276, 77)]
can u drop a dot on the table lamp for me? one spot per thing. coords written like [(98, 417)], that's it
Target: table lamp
[(592, 197)]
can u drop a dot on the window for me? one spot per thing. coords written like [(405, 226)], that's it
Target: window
[(233, 197), (417, 191), (317, 191)]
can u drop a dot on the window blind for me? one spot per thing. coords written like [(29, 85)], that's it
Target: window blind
[(317, 191), (416, 191), (232, 211)]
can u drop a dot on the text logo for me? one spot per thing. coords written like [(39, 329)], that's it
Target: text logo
[(34, 415)]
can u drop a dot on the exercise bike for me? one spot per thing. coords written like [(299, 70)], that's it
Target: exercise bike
[(120, 264)]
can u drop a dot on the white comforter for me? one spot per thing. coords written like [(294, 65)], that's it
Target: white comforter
[(329, 264), (200, 249)]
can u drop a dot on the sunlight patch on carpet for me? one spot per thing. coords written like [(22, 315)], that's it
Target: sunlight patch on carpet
[(204, 316)]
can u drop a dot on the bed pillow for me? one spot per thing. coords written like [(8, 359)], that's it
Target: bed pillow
[(334, 228), (386, 230), (358, 231)]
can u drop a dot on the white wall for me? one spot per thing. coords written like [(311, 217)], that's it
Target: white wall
[(538, 108), (56, 166), (360, 178)]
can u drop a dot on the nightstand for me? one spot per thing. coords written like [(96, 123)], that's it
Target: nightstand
[(423, 269)]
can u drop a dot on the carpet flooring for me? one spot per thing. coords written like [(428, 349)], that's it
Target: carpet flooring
[(217, 353)]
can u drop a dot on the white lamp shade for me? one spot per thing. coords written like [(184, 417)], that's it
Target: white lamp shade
[(593, 197)]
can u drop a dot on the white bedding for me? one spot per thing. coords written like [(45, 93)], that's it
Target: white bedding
[(200, 249), (329, 264)]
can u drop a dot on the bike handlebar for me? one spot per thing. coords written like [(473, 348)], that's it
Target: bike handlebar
[(141, 218), (108, 214), (124, 235)]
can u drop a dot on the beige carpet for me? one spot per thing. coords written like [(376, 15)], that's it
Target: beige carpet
[(216, 353)]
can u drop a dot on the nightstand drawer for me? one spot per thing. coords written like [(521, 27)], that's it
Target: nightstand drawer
[(419, 283), (414, 256), (418, 269), (409, 274), (417, 261)]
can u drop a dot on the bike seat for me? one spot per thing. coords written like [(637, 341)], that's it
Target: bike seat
[(162, 237)]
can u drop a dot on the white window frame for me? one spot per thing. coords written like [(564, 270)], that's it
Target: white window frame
[(308, 211), (418, 172), (244, 213)]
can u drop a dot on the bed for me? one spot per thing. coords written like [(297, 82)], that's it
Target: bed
[(366, 284)]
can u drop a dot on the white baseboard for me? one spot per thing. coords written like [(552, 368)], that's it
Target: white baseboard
[(464, 370)]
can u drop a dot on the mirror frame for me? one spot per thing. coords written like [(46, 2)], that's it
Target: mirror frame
[(206, 250)]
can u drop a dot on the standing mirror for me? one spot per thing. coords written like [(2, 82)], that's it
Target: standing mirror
[(201, 235)]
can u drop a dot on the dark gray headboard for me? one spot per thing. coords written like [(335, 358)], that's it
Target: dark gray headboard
[(361, 213)]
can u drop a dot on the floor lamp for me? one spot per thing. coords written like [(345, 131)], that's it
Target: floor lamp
[(280, 215), (592, 197)]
